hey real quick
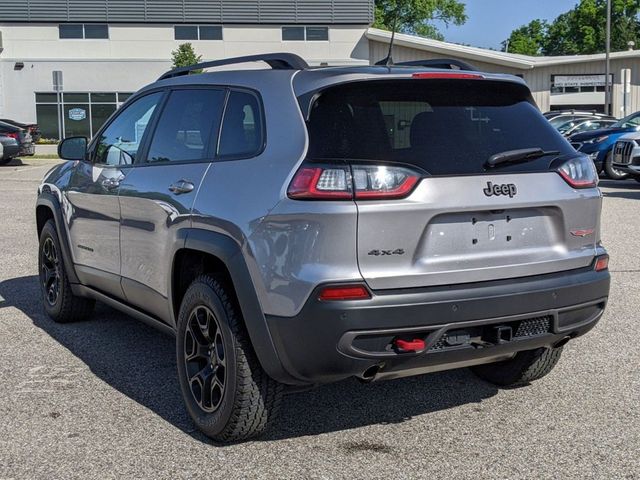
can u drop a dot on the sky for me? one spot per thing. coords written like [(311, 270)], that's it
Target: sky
[(491, 21)]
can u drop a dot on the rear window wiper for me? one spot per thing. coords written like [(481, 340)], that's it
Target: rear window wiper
[(517, 156)]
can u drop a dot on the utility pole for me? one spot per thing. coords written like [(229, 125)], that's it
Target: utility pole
[(607, 68)]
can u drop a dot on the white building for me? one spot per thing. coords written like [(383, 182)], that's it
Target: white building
[(107, 49)]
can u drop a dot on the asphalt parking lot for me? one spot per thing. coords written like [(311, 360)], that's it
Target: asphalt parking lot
[(100, 399)]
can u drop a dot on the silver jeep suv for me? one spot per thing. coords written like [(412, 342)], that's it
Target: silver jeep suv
[(295, 226)]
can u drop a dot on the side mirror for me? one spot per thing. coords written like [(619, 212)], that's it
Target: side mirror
[(73, 148)]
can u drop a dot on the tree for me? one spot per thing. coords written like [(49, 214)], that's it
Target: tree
[(185, 56), (581, 30), (417, 16), (528, 39)]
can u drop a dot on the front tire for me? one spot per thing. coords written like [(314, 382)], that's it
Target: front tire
[(612, 172), (522, 369), (227, 393), (59, 301)]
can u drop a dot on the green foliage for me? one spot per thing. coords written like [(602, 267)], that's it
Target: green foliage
[(580, 31), (417, 16), (184, 56), (528, 39)]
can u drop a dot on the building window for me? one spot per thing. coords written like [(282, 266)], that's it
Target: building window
[(83, 113), (310, 34), (198, 32), (90, 31)]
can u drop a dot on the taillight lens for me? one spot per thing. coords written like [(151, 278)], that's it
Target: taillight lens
[(579, 172), (602, 263), (11, 135), (364, 182)]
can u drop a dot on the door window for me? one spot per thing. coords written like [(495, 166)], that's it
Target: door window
[(188, 126), (119, 143), (242, 132)]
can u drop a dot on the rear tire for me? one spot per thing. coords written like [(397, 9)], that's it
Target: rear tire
[(613, 173), (59, 301), (524, 368), (227, 393)]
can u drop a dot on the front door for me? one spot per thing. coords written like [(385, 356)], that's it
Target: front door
[(93, 209), (156, 197)]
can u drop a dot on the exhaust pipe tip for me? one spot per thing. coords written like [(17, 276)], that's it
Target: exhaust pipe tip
[(562, 342), (370, 373)]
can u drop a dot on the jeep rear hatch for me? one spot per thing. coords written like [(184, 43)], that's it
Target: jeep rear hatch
[(456, 180)]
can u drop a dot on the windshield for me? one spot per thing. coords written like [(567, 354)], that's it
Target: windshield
[(631, 121), (443, 127)]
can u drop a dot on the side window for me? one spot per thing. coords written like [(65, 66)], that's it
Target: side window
[(188, 126), (119, 142), (242, 130)]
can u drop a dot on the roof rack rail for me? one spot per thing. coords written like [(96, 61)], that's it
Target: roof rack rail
[(277, 61), (444, 63)]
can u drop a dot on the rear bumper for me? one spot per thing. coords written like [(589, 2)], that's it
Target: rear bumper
[(11, 151), (330, 341), (28, 149)]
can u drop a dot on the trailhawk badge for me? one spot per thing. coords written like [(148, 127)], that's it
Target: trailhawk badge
[(501, 189)]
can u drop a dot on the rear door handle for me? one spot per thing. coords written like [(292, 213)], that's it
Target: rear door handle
[(110, 183), (182, 186)]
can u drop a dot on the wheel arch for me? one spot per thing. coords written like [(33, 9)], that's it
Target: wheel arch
[(48, 208), (206, 251)]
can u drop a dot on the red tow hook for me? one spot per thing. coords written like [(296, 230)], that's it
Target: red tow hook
[(414, 345)]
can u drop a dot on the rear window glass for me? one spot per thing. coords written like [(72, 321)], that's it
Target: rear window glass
[(444, 127)]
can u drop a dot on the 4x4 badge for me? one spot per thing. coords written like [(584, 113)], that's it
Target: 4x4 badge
[(502, 189)]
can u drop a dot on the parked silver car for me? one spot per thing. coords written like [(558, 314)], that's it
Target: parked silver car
[(295, 226)]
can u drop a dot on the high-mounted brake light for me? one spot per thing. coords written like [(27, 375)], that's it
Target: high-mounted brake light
[(362, 182), (344, 292), (579, 172), (448, 75)]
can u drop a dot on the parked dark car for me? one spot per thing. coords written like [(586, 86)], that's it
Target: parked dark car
[(27, 147), (599, 143), (33, 128), (10, 149)]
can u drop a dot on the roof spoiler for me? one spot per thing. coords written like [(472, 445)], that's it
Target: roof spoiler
[(277, 61), (443, 63)]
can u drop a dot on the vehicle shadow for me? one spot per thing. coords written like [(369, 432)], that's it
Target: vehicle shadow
[(139, 362), (15, 162), (627, 189)]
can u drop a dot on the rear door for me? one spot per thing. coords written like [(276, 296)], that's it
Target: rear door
[(157, 195), (464, 221)]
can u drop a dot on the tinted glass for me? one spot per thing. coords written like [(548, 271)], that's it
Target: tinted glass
[(103, 97), (210, 33), (632, 120), (444, 127), (47, 118), (96, 31), (119, 142), (99, 115), (188, 126), (317, 34), (292, 33), (46, 97), (76, 120), (242, 133), (186, 32), (75, 97), (70, 31)]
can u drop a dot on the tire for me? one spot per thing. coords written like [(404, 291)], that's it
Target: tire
[(524, 368), (5, 160), (59, 301), (613, 173), (239, 400)]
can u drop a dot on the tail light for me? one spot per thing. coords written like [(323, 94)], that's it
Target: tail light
[(11, 135), (579, 172), (448, 76), (602, 263), (365, 182)]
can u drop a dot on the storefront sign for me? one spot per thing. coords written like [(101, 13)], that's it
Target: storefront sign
[(579, 81), (77, 114)]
